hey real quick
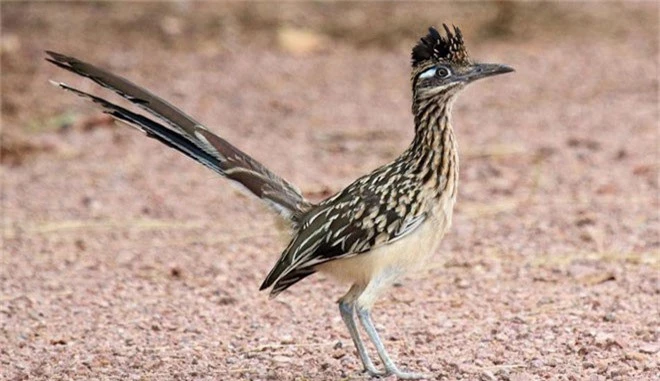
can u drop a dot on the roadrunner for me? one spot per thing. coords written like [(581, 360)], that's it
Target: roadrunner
[(370, 233)]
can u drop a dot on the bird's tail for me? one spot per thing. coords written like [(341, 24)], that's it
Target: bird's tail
[(175, 129)]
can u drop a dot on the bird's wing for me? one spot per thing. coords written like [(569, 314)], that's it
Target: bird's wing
[(355, 221), (188, 136)]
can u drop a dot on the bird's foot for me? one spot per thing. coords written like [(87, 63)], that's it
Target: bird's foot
[(408, 375), (374, 373)]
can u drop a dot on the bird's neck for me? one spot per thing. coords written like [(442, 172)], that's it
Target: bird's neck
[(433, 130), (432, 121), (434, 148)]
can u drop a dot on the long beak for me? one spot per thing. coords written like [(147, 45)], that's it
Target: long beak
[(483, 70)]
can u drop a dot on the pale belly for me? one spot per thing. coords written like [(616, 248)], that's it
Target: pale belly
[(393, 260)]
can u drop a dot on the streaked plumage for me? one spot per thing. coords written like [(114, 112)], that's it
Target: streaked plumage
[(372, 232), (188, 136)]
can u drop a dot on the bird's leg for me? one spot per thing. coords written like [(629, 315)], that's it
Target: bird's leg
[(347, 310), (365, 317)]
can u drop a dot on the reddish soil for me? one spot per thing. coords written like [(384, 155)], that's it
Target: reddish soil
[(122, 259)]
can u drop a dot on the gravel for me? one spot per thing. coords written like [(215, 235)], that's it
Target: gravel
[(124, 260)]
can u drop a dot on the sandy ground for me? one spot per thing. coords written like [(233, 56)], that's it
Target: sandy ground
[(122, 259)]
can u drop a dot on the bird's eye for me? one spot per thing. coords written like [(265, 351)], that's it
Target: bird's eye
[(442, 72), (436, 71)]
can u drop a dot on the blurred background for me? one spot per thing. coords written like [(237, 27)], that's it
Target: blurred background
[(121, 257)]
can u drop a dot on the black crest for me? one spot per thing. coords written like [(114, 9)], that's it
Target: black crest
[(435, 47)]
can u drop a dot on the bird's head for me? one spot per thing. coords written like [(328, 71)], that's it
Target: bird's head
[(441, 65)]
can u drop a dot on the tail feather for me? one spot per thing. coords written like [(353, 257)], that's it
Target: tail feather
[(130, 91), (186, 135), (152, 128)]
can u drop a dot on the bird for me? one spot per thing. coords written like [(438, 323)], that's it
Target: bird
[(369, 234)]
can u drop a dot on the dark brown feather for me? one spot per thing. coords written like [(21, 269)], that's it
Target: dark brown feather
[(437, 48), (190, 137)]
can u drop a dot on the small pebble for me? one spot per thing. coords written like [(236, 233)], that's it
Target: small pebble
[(536, 363), (486, 375), (610, 317), (337, 354), (650, 349), (286, 339), (602, 339), (282, 359)]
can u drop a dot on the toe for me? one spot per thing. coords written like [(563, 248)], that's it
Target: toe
[(411, 376), (373, 373)]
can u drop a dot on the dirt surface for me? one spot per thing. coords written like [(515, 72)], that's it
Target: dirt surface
[(122, 259)]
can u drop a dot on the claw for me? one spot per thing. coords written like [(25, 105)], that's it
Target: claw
[(410, 376), (373, 373)]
